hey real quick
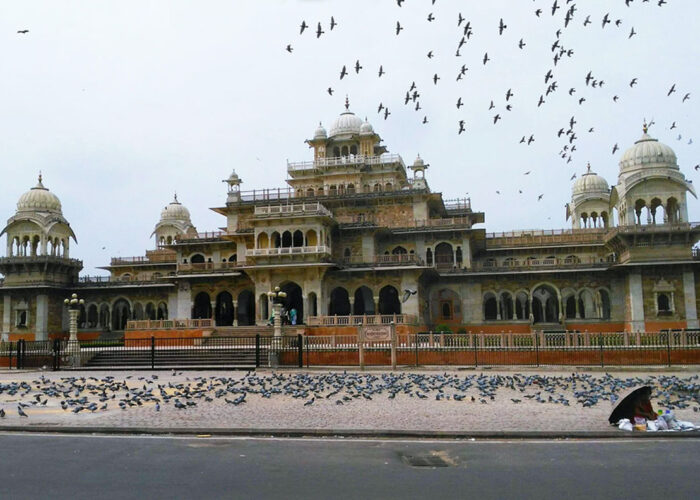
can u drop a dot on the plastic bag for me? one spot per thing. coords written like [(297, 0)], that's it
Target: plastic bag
[(625, 425), (651, 426), (661, 424)]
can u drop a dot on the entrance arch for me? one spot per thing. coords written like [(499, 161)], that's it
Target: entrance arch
[(389, 300), (444, 256), (246, 308), (121, 311), (545, 304), (294, 299), (224, 309), (340, 302), (202, 306), (364, 302)]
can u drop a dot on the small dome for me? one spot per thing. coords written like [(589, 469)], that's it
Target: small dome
[(320, 132), (39, 199), (233, 178), (366, 128), (648, 151), (419, 162), (590, 183), (175, 211)]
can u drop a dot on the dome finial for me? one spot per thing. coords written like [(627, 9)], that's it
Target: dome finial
[(588, 167), (347, 103), (645, 127), (39, 176), (175, 198)]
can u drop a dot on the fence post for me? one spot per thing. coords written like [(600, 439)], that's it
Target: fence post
[(257, 350), (537, 350), (20, 360), (300, 350), (668, 347), (153, 352), (415, 345), (10, 351), (306, 342), (600, 342), (476, 360)]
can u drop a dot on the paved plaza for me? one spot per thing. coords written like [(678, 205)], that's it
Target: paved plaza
[(448, 401)]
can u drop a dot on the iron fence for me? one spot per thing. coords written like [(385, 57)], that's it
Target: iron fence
[(665, 348), (155, 353)]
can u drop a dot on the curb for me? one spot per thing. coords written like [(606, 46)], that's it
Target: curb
[(350, 433)]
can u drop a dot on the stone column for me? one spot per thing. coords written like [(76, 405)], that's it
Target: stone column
[(636, 301), (691, 311), (42, 317), (6, 317), (466, 253), (213, 310), (376, 305), (184, 303), (352, 305), (235, 311)]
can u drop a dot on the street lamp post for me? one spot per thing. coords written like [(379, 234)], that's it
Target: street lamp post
[(73, 304), (277, 297)]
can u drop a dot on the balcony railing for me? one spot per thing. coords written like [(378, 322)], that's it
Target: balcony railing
[(358, 320), (208, 235), (459, 205), (654, 228), (272, 252), (534, 264), (143, 259), (169, 324), (207, 266), (120, 280), (384, 260), (409, 225), (541, 237), (292, 209), (343, 161)]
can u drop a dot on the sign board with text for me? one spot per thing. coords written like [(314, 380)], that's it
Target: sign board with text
[(377, 333)]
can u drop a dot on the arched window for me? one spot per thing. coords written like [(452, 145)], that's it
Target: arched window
[(444, 256), (663, 304), (336, 151), (310, 192), (344, 151), (333, 190), (429, 257), (311, 238), (202, 306), (506, 306), (275, 240), (263, 240), (197, 259), (351, 189), (377, 187), (364, 301), (399, 251), (490, 307), (388, 186), (286, 239), (571, 307), (353, 149), (298, 239), (604, 304)]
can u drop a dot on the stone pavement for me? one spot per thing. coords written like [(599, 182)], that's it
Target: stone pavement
[(412, 411)]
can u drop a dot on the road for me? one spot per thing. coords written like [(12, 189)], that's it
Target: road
[(83, 466)]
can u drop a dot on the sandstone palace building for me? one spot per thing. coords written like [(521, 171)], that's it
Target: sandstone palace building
[(356, 234)]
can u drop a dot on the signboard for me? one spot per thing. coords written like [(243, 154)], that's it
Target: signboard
[(378, 333)]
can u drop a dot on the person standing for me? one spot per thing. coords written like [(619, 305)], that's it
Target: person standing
[(293, 315)]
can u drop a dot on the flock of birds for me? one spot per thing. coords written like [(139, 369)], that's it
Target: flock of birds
[(567, 12), (92, 394)]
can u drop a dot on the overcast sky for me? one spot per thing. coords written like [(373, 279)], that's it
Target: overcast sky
[(122, 103)]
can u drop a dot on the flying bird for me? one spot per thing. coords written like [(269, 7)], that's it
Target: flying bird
[(407, 294), (319, 31), (23, 32), (398, 27), (303, 27)]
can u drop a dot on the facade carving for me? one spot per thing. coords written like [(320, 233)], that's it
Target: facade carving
[(356, 232)]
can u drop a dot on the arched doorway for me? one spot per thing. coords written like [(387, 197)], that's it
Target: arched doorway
[(545, 304), (313, 307), (340, 302), (224, 309), (104, 317), (121, 312), (138, 311), (162, 311), (202, 306), (389, 300), (294, 299), (443, 255), (246, 308), (364, 302), (263, 301), (92, 316)]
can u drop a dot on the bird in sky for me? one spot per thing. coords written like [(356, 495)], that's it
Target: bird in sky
[(461, 126), (330, 91), (289, 48), (343, 72), (633, 82), (381, 71), (501, 27), (399, 28), (671, 90), (319, 31), (303, 27), (686, 97), (486, 58), (333, 23), (357, 66)]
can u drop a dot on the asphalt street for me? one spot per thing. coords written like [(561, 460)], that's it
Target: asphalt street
[(85, 466)]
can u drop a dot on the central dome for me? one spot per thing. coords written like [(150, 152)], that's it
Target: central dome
[(39, 199), (346, 123), (175, 211), (648, 151)]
